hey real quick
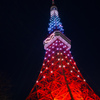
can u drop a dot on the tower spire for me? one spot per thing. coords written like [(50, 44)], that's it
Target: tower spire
[(55, 23), (53, 2)]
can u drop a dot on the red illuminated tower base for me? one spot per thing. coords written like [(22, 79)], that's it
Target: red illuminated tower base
[(59, 77)]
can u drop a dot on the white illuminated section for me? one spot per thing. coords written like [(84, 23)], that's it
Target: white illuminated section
[(51, 71), (37, 81), (53, 57), (46, 67), (73, 67), (40, 71), (59, 66), (71, 71), (53, 37), (58, 59), (78, 70), (52, 63), (54, 12), (84, 80), (78, 75), (62, 59), (63, 66), (47, 60), (43, 64), (68, 63), (43, 76)]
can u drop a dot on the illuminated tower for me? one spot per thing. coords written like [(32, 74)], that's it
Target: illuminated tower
[(59, 77)]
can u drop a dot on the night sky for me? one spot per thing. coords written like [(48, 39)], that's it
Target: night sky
[(24, 27)]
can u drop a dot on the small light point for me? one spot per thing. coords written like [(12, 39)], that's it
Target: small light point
[(78, 76), (43, 76), (59, 66), (51, 71), (40, 71)]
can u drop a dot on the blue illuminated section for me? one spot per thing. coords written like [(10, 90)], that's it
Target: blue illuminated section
[(55, 23)]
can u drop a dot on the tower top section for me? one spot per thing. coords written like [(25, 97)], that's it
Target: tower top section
[(53, 2), (55, 29), (53, 11), (55, 24)]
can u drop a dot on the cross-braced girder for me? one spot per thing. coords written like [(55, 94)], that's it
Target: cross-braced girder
[(60, 78)]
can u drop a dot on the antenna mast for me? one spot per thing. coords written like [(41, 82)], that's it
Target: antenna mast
[(53, 2)]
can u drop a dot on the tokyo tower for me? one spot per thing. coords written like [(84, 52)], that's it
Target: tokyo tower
[(59, 78)]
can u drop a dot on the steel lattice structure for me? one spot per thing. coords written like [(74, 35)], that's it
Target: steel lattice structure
[(60, 78)]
